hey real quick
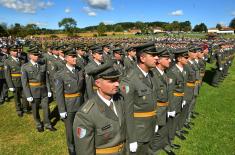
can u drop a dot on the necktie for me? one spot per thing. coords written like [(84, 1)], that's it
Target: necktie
[(73, 70), (112, 107), (149, 80)]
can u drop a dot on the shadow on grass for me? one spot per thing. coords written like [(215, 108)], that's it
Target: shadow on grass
[(54, 115), (209, 76)]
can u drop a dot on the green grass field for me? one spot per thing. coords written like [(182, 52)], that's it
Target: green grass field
[(213, 133)]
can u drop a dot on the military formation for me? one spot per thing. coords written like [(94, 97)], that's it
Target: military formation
[(114, 96)]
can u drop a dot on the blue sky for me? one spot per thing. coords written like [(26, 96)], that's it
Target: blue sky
[(47, 13)]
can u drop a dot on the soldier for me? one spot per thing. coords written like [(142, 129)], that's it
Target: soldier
[(177, 110), (129, 60), (118, 56), (191, 89), (12, 70), (81, 61), (69, 94), (37, 89), (107, 56), (219, 67), (161, 140), (93, 67), (99, 126), (140, 101), (3, 85)]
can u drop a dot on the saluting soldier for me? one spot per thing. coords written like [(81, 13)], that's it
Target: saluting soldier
[(99, 126), (69, 86), (140, 101), (37, 89), (12, 70)]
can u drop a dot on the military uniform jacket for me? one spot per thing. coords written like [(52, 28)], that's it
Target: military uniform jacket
[(81, 62), (140, 98), (69, 89), (162, 96), (96, 126), (35, 80), (129, 64), (120, 67), (219, 59), (12, 70), (190, 84), (91, 69), (177, 82), (106, 57), (3, 57)]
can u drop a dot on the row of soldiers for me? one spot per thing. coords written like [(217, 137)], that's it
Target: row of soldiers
[(111, 101)]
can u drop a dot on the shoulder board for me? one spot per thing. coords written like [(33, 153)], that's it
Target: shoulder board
[(87, 106)]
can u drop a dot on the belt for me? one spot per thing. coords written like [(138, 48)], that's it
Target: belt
[(72, 95), (178, 94), (162, 104), (1, 68), (145, 114), (190, 84), (16, 74), (35, 84), (110, 150)]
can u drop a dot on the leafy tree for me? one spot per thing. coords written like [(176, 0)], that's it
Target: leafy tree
[(200, 28), (69, 25), (101, 29), (118, 28), (218, 26), (232, 23)]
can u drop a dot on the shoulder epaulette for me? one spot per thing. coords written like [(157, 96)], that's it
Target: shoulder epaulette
[(87, 107)]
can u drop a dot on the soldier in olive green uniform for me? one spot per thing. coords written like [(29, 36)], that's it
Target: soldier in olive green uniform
[(219, 68), (107, 55), (12, 70), (99, 126), (3, 57), (129, 60), (118, 65), (69, 94), (81, 61), (94, 66), (161, 138), (191, 89), (177, 109), (37, 89), (139, 93)]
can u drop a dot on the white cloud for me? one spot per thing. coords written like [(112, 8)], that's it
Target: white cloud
[(177, 13), (89, 11), (100, 4), (67, 10), (26, 6), (233, 13)]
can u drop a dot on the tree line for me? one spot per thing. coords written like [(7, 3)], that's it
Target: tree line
[(69, 26)]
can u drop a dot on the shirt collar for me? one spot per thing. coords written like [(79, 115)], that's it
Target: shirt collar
[(180, 68), (97, 62), (70, 68), (62, 58), (145, 73), (161, 72), (14, 58), (197, 60), (55, 56), (130, 58), (190, 61), (32, 62), (107, 102)]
